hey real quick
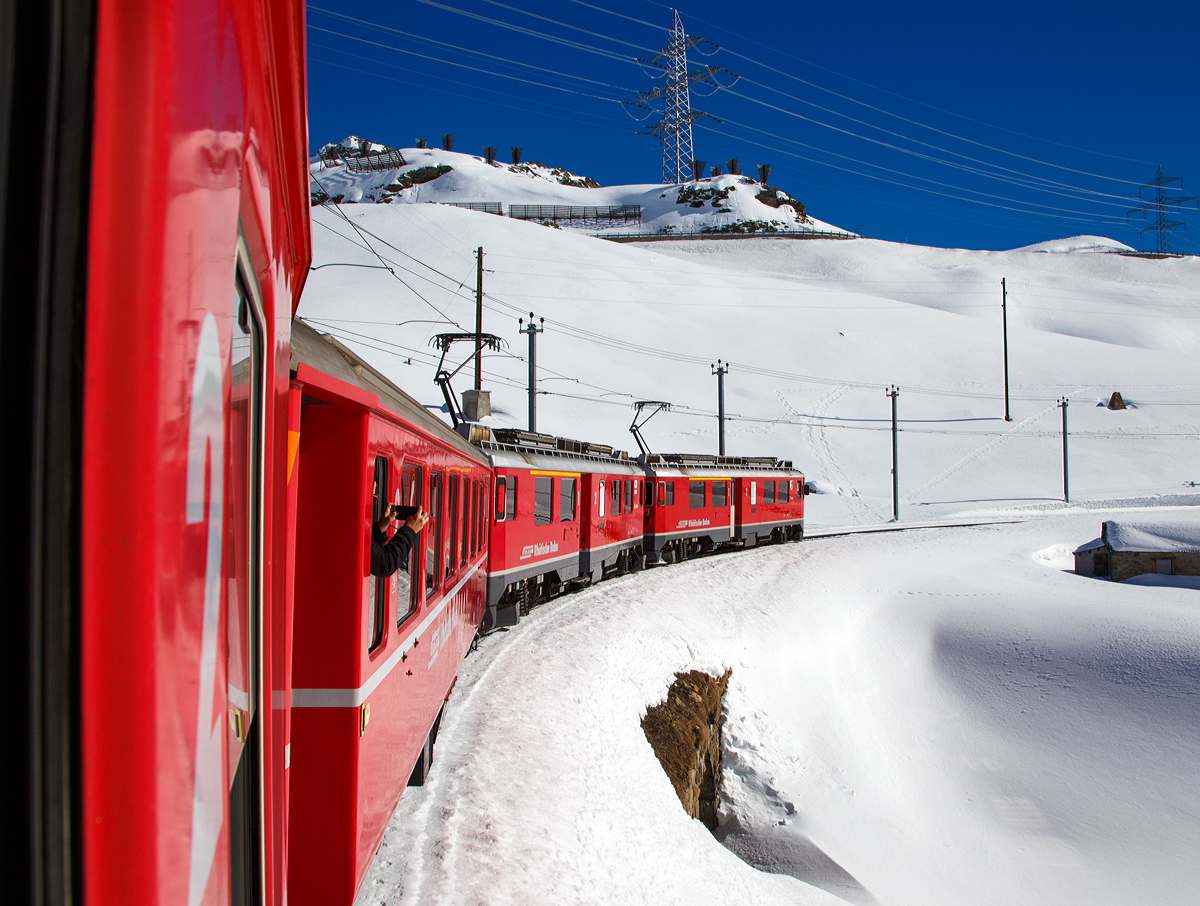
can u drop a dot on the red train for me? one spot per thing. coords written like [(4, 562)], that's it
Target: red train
[(223, 704)]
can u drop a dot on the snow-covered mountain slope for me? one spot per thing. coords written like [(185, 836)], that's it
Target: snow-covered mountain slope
[(814, 330), (723, 203)]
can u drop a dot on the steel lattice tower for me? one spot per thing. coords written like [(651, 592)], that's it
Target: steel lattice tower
[(1163, 225), (674, 127)]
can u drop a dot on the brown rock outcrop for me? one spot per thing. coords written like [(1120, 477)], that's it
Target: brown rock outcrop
[(685, 733)]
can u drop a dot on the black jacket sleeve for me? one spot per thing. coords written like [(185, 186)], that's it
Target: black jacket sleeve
[(389, 556)]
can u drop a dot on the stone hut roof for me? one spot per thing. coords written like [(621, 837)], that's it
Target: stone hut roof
[(1150, 537)]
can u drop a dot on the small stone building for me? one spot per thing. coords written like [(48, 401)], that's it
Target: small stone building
[(1126, 549)]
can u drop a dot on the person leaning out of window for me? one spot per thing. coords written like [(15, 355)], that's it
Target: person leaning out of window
[(387, 556)]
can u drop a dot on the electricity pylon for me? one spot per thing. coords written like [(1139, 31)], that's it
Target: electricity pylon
[(674, 127), (1162, 201)]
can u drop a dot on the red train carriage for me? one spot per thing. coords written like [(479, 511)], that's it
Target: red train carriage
[(770, 504), (373, 659), (613, 501), (534, 548), (696, 503)]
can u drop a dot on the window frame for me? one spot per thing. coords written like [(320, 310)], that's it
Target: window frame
[(415, 473), (566, 494), (543, 488), (433, 536), (724, 494), (378, 587), (500, 498)]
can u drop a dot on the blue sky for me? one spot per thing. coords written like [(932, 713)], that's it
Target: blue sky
[(948, 124)]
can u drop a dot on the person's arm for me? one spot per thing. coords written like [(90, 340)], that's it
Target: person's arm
[(388, 556)]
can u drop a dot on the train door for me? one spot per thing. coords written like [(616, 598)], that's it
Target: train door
[(244, 627)]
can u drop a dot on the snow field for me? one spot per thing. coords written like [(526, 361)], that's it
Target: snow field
[(936, 717), (855, 316)]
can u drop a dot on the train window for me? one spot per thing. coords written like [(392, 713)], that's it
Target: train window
[(768, 492), (433, 535), (753, 492), (474, 519), (600, 497), (784, 491), (695, 495), (662, 493), (628, 495), (483, 520), (543, 499), (404, 589), (377, 588), (670, 493), (467, 522), (452, 523), (614, 490), (566, 500), (720, 493), (510, 500), (501, 489)]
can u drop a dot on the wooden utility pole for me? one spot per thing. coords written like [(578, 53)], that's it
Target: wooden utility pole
[(479, 318), (893, 393), (1004, 318)]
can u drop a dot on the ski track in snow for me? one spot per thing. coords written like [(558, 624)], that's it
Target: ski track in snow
[(817, 438)]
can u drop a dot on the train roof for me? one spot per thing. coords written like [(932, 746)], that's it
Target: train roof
[(514, 448), (326, 354), (517, 449), (701, 465)]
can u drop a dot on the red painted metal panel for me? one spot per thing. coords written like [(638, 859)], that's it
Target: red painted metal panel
[(187, 145)]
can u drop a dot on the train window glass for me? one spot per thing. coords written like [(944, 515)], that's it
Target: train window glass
[(543, 498), (510, 501), (464, 541), (695, 495), (785, 491), (768, 492), (670, 493), (404, 589), (452, 523), (474, 518), (753, 492), (662, 493), (615, 494), (483, 520), (628, 495), (566, 500), (720, 493), (501, 489), (433, 535), (377, 588), (600, 497)]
